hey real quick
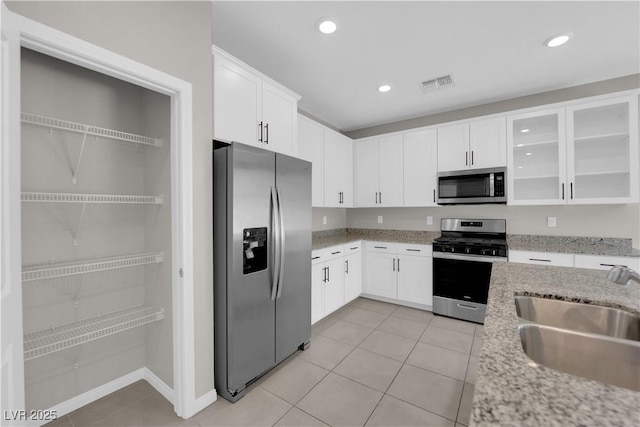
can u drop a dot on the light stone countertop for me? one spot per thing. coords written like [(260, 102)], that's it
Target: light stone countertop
[(339, 237), (509, 391), (563, 244)]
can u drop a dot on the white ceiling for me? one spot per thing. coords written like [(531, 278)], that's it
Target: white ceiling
[(494, 50)]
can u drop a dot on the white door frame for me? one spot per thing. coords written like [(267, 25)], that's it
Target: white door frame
[(55, 43)]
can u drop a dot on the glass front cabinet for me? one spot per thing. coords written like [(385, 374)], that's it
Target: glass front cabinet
[(581, 154)]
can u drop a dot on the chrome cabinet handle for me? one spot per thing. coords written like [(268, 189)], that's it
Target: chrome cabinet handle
[(261, 133), (466, 158), (347, 266), (266, 128), (472, 157)]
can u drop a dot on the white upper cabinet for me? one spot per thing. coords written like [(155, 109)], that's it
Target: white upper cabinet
[(365, 172), (331, 154), (536, 158), (378, 171), (475, 145), (581, 154), (602, 152), (338, 170), (390, 170), (453, 147), (420, 167), (311, 142), (250, 108)]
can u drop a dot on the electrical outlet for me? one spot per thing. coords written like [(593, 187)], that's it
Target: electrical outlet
[(551, 221), (379, 219), (429, 220), (324, 220)]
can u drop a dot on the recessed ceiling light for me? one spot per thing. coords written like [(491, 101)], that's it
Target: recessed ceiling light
[(524, 130), (327, 26), (520, 145), (384, 88), (528, 154), (558, 39)]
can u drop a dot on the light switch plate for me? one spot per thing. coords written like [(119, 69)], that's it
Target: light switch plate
[(429, 220), (551, 221), (379, 219)]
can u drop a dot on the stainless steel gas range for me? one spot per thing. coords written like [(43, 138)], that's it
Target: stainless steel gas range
[(463, 257)]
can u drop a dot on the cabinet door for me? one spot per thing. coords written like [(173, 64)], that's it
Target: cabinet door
[(334, 287), (334, 165), (420, 168), (279, 119), (365, 173), (236, 101), (488, 143), (311, 141), (381, 274), (415, 279), (390, 174), (352, 276), (602, 152), (536, 158), (453, 148), (317, 291), (346, 175)]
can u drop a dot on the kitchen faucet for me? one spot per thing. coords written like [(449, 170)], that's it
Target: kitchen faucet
[(623, 275)]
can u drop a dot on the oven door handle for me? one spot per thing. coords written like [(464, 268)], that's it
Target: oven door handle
[(471, 258), (466, 307)]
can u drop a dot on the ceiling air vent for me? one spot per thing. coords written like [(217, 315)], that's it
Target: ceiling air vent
[(437, 83)]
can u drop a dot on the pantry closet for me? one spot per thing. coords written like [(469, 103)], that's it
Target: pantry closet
[(100, 172)]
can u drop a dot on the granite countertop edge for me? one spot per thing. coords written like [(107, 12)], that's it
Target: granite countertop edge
[(512, 390), (561, 244)]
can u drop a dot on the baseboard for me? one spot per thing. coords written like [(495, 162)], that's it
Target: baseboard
[(398, 302), (204, 401), (99, 392), (77, 402), (160, 386)]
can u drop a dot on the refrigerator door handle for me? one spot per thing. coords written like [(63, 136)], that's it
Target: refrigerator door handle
[(275, 236), (282, 244)]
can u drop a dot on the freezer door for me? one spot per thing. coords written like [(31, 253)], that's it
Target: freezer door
[(293, 302), (250, 309)]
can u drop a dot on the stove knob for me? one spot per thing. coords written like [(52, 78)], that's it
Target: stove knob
[(466, 250), (494, 252), (453, 249)]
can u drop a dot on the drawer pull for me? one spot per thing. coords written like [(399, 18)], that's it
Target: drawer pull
[(380, 247), (355, 247), (539, 259), (614, 265), (414, 250), (336, 252), (315, 257), (468, 307)]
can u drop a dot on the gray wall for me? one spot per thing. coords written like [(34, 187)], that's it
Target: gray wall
[(336, 218), (174, 37)]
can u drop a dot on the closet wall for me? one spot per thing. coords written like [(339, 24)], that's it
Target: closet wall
[(79, 233)]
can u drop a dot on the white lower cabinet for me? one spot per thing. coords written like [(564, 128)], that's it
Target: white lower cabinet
[(327, 283), (352, 271), (399, 271), (602, 262), (541, 258)]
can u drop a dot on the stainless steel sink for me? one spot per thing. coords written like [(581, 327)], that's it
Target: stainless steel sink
[(579, 317), (610, 360)]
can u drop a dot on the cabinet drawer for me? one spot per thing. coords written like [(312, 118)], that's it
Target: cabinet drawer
[(352, 247), (418, 250), (381, 247), (326, 254), (599, 262), (541, 258)]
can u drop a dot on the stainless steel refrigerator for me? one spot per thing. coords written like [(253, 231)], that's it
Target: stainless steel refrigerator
[(262, 263)]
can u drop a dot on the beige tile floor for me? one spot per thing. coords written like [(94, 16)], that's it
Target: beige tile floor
[(370, 363)]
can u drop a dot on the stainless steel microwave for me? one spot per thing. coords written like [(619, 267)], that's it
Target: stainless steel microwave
[(472, 186)]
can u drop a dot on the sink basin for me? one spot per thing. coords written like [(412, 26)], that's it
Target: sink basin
[(598, 357), (579, 317)]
